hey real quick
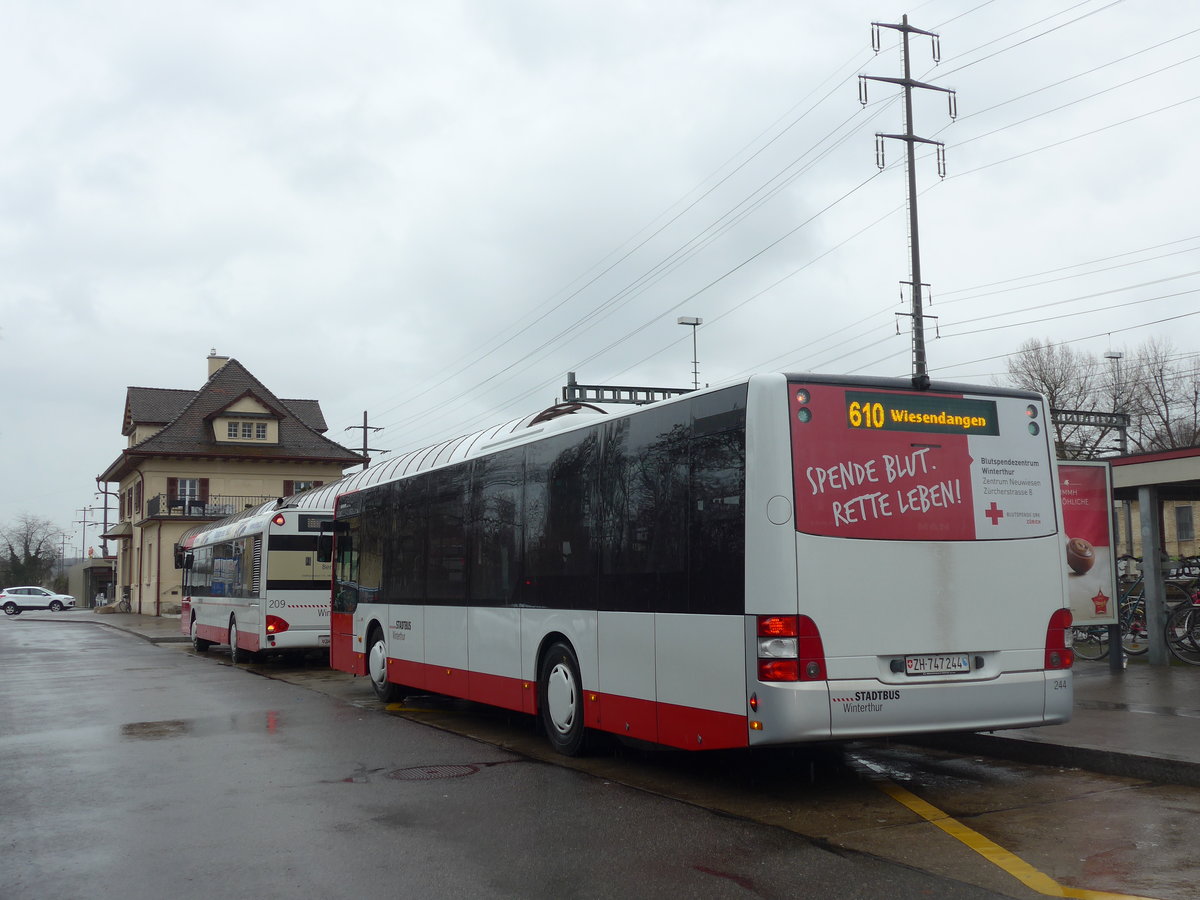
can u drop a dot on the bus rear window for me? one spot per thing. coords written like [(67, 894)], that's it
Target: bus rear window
[(898, 465)]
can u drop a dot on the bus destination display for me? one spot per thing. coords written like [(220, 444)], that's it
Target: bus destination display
[(921, 412)]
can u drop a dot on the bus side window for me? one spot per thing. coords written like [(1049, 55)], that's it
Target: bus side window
[(347, 562), (345, 595)]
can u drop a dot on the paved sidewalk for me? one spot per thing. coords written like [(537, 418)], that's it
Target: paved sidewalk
[(1143, 723), (155, 629)]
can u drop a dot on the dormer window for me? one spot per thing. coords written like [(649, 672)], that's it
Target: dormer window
[(247, 420), (246, 431)]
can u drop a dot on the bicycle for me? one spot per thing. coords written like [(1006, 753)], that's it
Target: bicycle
[(1182, 631)]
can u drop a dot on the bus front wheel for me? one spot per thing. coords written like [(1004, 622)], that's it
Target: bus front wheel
[(377, 669), (236, 655), (560, 699), (199, 644)]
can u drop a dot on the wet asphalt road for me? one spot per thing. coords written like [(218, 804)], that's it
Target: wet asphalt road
[(140, 771)]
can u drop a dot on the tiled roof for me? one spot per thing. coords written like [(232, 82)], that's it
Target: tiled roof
[(153, 406), (158, 406), (189, 431), (308, 412)]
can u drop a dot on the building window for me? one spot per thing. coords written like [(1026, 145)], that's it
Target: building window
[(188, 489), (295, 487), (246, 431), (1184, 528)]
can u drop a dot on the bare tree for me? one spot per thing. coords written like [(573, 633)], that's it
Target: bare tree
[(28, 550), (1165, 397), (1069, 380)]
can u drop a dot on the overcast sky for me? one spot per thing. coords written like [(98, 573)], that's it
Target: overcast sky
[(433, 211)]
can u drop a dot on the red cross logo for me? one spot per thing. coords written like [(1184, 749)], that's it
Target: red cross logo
[(994, 513)]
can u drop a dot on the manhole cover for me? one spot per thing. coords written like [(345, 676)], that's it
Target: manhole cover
[(432, 773)]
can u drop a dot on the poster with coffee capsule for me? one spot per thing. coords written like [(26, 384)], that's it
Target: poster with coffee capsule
[(1085, 489)]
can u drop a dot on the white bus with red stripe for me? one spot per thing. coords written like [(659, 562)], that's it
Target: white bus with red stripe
[(253, 580), (791, 558)]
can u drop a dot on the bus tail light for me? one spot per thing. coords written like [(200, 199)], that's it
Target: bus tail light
[(789, 649), (276, 625), (1059, 654)]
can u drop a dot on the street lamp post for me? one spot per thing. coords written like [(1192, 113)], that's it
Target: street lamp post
[(693, 321), (1114, 356)]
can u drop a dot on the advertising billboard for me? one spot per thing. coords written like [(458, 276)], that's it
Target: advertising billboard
[(1086, 492)]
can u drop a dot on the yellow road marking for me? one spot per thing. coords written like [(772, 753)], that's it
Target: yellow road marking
[(989, 850), (405, 708)]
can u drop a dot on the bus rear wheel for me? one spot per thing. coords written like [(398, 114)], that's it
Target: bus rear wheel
[(560, 700), (377, 669)]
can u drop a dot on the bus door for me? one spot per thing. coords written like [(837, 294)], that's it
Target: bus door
[(337, 546)]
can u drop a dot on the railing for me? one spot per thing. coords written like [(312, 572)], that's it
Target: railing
[(215, 507)]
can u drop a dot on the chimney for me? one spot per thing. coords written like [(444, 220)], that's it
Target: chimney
[(215, 362)]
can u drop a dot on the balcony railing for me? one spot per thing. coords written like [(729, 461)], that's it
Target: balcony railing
[(215, 507)]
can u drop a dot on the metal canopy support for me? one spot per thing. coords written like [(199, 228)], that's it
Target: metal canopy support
[(607, 393), (1090, 417), (1152, 575)]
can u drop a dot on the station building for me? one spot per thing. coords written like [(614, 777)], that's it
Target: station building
[(199, 455)]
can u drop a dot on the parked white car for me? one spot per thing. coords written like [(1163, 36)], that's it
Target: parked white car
[(15, 599)]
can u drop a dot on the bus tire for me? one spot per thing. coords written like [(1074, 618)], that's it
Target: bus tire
[(377, 668), (199, 644), (560, 700), (236, 654)]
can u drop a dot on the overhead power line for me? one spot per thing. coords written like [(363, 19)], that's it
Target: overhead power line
[(652, 276)]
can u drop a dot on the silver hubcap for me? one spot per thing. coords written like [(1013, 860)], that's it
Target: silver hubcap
[(562, 698), (233, 640), (377, 663)]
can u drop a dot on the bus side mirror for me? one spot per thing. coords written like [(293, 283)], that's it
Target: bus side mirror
[(325, 548), (182, 560)]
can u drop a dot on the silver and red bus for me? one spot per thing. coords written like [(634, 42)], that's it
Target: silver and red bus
[(786, 559), (253, 580)]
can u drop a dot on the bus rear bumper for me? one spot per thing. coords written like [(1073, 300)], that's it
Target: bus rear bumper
[(866, 708), (296, 640)]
